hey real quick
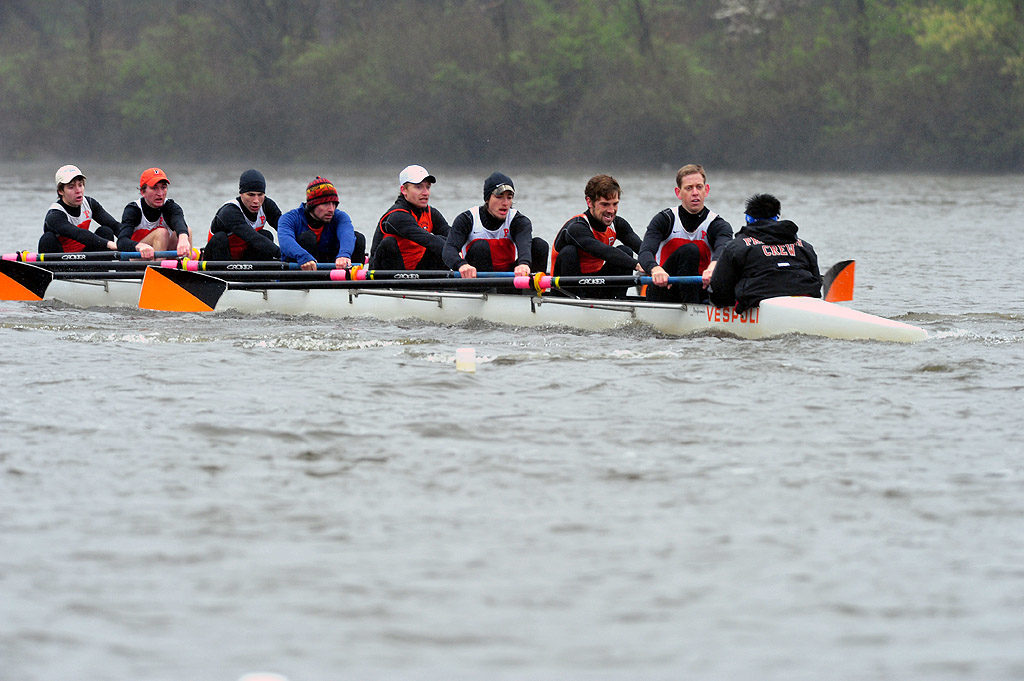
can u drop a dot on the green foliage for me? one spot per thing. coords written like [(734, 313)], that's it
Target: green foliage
[(741, 83)]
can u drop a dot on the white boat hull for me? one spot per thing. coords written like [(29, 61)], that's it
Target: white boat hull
[(95, 292), (775, 317)]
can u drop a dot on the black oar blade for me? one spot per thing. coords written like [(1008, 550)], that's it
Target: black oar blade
[(22, 281), (837, 284), (180, 291)]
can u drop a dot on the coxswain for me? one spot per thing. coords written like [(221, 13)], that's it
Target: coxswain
[(411, 234), (68, 222), (317, 232), (585, 245), (684, 241), (765, 260), (494, 237), (238, 230), (154, 220)]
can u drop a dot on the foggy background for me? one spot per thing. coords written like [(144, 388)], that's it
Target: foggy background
[(738, 84)]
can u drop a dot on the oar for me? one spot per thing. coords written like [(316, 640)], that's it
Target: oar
[(362, 274), (135, 269), (29, 281), (26, 256), (21, 281), (82, 266), (543, 282), (193, 265), (355, 273), (228, 267), (241, 265), (182, 291), (837, 284)]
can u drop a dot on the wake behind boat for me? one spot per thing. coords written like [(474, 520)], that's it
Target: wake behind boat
[(440, 301)]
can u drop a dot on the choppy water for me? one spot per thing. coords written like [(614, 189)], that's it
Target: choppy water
[(187, 496)]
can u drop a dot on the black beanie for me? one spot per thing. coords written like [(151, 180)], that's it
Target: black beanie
[(499, 182), (252, 181)]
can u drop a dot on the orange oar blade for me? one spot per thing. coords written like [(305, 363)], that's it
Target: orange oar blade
[(180, 291), (22, 281), (837, 284)]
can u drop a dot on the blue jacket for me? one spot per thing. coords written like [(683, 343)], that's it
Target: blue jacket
[(337, 239)]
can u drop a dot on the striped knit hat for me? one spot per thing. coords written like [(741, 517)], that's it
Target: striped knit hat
[(320, 191)]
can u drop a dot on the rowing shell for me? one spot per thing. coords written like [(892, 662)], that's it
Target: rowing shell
[(775, 316)]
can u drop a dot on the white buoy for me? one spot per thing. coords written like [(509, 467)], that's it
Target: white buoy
[(465, 360)]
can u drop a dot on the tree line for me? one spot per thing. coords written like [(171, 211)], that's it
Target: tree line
[(744, 84)]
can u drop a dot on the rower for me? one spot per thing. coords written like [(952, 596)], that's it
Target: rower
[(684, 241), (411, 234), (237, 231), (154, 220), (66, 227), (585, 244), (765, 260), (317, 232), (494, 237)]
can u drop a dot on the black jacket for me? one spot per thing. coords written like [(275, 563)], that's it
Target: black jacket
[(765, 260), (56, 221), (132, 218), (520, 231), (579, 232), (234, 222), (400, 221)]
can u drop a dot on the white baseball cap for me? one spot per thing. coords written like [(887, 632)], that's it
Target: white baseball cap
[(67, 173), (415, 175)]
